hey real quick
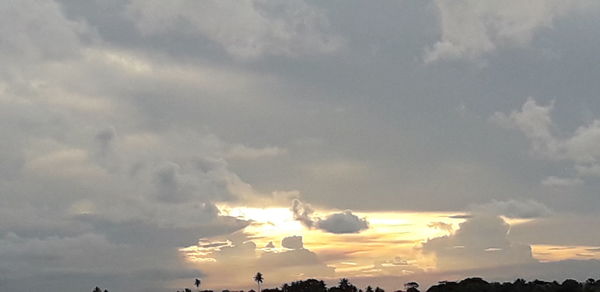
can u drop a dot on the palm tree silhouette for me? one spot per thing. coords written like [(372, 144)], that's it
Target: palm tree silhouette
[(258, 279), (197, 284)]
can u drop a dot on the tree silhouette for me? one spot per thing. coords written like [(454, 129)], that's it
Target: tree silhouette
[(97, 289), (258, 278), (197, 284), (346, 286), (312, 285), (411, 287), (466, 285)]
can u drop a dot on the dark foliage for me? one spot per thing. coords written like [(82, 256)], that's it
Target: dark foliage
[(97, 289), (466, 285), (520, 285)]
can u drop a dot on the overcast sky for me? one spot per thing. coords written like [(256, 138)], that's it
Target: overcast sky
[(133, 128)]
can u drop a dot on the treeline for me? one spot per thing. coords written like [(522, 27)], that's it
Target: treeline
[(520, 285), (466, 285), (312, 285)]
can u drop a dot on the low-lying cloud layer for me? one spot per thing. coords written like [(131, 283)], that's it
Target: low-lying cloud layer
[(293, 261), (483, 246)]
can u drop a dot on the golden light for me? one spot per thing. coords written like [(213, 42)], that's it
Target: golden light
[(390, 244), (550, 253)]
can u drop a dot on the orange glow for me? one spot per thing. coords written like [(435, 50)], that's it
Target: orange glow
[(390, 247), (550, 253)]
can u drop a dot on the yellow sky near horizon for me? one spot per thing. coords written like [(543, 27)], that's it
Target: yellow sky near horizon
[(391, 246)]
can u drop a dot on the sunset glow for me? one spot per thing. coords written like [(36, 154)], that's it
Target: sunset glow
[(240, 145), (391, 246)]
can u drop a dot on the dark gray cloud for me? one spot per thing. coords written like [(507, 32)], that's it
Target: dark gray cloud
[(292, 242), (344, 222), (303, 212)]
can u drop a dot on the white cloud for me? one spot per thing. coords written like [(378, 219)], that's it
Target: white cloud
[(245, 29), (471, 28), (583, 145), (580, 148), (535, 122), (249, 153), (553, 181), (37, 30)]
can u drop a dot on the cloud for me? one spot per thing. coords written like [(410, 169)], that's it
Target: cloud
[(580, 148), (87, 258), (94, 187), (126, 123), (480, 242), (292, 242), (248, 153), (559, 229), (536, 124), (344, 222), (512, 209), (294, 262), (247, 29), (441, 226), (485, 245), (471, 28), (303, 212), (553, 181), (38, 31)]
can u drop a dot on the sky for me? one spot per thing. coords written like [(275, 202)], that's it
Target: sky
[(146, 143)]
